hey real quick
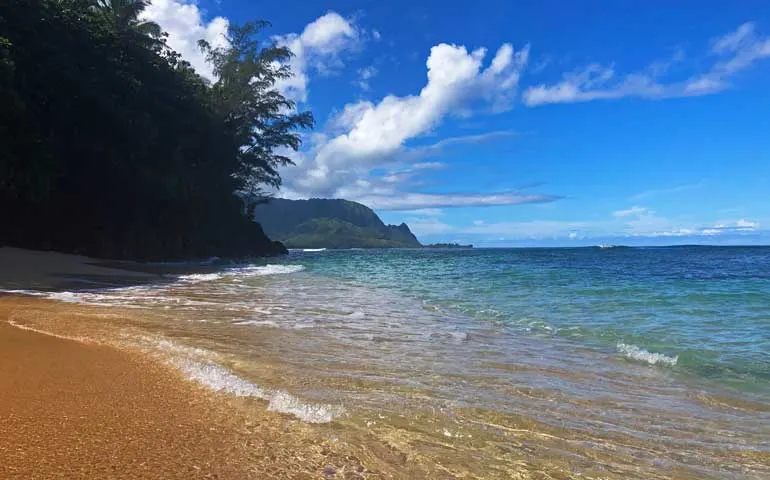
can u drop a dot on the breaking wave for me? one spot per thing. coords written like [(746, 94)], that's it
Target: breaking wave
[(632, 352), (221, 380)]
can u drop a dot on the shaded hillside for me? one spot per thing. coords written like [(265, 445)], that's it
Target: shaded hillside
[(327, 223)]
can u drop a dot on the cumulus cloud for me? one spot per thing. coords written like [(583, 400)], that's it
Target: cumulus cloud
[(183, 22), (317, 48), (728, 55), (368, 135)]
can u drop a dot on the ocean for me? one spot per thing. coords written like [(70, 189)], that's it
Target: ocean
[(488, 363)]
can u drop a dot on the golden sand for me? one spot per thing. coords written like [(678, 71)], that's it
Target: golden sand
[(83, 410), (69, 410)]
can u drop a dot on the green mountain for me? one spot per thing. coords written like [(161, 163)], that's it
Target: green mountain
[(329, 223)]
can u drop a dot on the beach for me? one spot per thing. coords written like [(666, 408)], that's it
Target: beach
[(77, 402), (74, 410), (489, 364)]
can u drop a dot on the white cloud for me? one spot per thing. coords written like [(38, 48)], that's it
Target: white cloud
[(651, 225), (317, 48), (364, 75), (743, 223), (184, 23), (425, 212), (534, 229), (409, 200), (643, 225), (736, 227), (729, 54), (631, 211), (370, 135)]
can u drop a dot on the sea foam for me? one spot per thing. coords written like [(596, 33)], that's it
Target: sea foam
[(269, 270), (221, 380), (632, 352)]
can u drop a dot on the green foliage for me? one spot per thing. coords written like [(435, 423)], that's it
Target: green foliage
[(258, 117), (326, 223), (113, 146)]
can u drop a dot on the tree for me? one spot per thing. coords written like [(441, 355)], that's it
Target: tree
[(113, 146), (261, 121), (123, 17)]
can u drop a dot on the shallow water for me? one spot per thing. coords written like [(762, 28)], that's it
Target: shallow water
[(526, 363)]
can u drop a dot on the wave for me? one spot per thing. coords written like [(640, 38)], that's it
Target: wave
[(269, 270), (200, 277), (632, 352), (198, 365), (221, 380)]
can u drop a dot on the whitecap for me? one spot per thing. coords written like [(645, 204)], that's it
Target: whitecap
[(200, 277), (632, 352), (268, 270), (33, 293)]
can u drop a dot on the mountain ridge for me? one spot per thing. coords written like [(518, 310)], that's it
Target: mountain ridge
[(330, 223)]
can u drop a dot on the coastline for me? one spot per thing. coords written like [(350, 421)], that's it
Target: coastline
[(75, 405), (297, 391), (78, 410), (78, 399)]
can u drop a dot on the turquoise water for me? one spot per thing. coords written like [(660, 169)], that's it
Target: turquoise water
[(706, 307)]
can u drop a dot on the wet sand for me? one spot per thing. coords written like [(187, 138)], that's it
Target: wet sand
[(85, 409), (72, 410), (75, 404), (36, 270)]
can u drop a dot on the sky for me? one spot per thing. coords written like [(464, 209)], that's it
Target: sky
[(508, 123)]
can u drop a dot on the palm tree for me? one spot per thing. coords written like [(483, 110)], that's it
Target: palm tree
[(123, 17)]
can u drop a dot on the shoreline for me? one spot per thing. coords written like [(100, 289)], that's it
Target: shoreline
[(80, 410), (262, 389), (76, 404), (80, 399)]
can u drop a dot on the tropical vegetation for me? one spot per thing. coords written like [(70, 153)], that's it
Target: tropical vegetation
[(330, 223), (112, 145)]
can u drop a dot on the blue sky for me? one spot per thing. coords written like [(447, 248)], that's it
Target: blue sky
[(512, 123)]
